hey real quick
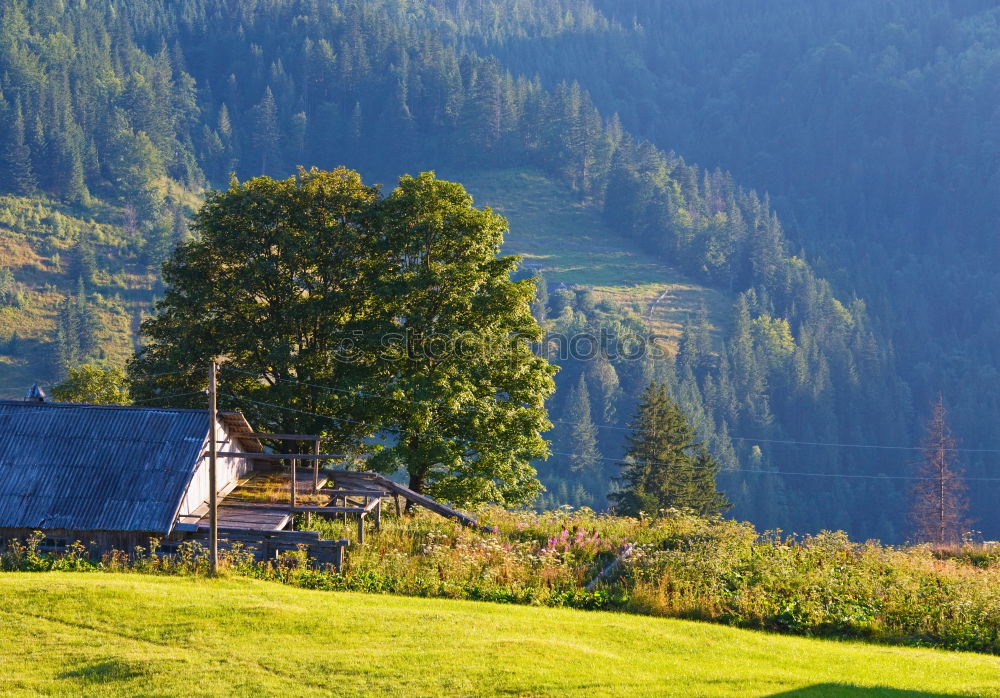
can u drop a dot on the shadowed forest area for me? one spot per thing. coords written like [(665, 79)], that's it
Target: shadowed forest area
[(802, 198)]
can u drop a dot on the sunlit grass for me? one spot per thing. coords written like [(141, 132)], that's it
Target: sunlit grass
[(71, 634), (569, 241)]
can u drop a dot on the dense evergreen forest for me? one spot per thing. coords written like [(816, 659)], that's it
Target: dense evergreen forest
[(114, 115)]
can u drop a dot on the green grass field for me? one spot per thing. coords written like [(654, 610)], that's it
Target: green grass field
[(570, 242), (125, 635)]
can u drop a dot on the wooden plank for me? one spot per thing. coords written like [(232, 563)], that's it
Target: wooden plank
[(360, 492), (353, 475), (289, 537), (251, 516), (281, 456), (302, 508), (284, 437), (316, 450), (424, 501)]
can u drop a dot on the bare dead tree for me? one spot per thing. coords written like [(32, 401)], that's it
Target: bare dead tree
[(939, 506)]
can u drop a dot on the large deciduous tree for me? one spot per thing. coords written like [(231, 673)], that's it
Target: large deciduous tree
[(938, 512), (277, 279), (468, 394), (351, 315), (665, 466)]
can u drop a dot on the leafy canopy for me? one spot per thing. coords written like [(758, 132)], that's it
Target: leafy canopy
[(468, 391), (93, 385), (350, 315)]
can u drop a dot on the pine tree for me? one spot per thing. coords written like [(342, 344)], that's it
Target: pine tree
[(6, 286), (87, 323), (603, 374), (86, 260), (76, 185), (579, 433), (67, 339), (660, 470), (267, 131), (20, 175), (939, 503)]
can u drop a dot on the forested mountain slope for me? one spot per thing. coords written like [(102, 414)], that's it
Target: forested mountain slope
[(122, 110), (874, 126)]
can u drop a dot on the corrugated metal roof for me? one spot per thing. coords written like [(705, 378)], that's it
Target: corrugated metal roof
[(89, 468), (238, 427)]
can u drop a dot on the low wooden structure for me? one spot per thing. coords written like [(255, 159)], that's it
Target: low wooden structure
[(353, 493), (115, 477)]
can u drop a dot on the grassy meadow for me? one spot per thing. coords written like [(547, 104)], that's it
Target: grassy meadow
[(71, 634), (568, 241)]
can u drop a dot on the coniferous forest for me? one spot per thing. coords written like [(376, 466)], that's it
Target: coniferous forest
[(831, 168)]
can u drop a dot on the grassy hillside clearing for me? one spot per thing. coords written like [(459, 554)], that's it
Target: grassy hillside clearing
[(570, 242), (39, 245), (124, 635)]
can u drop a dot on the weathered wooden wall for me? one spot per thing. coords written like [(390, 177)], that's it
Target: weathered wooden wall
[(229, 470)]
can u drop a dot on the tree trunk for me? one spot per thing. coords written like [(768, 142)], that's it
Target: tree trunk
[(416, 484)]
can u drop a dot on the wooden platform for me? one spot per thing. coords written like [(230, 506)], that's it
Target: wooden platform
[(251, 517)]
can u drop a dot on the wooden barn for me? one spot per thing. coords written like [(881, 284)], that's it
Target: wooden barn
[(114, 477)]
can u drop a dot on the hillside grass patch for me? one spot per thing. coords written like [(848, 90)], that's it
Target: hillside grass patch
[(568, 240), (123, 635)]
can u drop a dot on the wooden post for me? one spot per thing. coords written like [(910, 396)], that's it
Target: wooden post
[(399, 511), (213, 494), (361, 529), (378, 515), (316, 467), (294, 477)]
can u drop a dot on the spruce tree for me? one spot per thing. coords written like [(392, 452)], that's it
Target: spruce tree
[(938, 513), (87, 322), (20, 175), (665, 466), (67, 339), (579, 433), (267, 131)]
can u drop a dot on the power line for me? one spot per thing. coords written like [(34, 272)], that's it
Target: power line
[(618, 460), (164, 397), (786, 442), (166, 373)]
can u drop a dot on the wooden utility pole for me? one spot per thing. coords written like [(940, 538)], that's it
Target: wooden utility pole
[(316, 450), (213, 500)]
